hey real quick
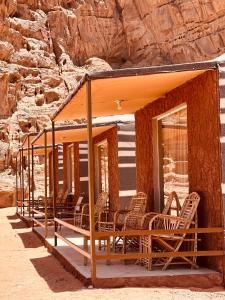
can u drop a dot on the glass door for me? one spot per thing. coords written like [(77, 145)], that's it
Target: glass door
[(173, 155)]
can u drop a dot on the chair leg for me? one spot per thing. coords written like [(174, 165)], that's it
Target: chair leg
[(149, 250), (108, 261)]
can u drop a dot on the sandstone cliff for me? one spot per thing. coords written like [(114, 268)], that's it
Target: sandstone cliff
[(47, 45)]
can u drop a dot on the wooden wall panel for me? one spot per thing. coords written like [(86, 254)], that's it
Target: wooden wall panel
[(202, 100), (76, 170)]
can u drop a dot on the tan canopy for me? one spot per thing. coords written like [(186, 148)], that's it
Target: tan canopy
[(68, 134), (126, 91)]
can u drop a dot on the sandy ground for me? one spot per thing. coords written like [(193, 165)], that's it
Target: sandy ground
[(28, 271)]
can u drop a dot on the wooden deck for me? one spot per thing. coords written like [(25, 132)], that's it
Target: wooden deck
[(118, 274)]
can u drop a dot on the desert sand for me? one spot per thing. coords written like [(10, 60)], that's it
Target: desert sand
[(28, 271)]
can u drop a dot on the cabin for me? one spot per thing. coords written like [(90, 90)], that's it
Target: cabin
[(114, 145), (179, 147)]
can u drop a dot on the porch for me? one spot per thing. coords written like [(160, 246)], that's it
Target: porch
[(119, 274)]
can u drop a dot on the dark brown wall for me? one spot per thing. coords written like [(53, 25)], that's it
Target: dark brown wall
[(50, 171), (112, 139), (204, 158)]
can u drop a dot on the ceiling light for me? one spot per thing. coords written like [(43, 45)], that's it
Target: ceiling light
[(119, 104)]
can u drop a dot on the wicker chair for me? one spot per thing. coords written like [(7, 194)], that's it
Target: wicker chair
[(173, 242), (141, 221), (137, 206), (81, 219), (129, 219), (172, 204)]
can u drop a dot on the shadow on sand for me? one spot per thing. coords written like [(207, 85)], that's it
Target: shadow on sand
[(30, 240), (57, 278), (18, 225), (13, 217)]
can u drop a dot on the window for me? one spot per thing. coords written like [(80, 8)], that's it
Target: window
[(172, 155), (102, 167)]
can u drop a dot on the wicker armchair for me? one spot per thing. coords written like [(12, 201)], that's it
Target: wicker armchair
[(173, 242), (129, 219), (81, 219), (172, 204), (137, 206), (141, 220)]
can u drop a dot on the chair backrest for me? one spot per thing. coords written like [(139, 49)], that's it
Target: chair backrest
[(169, 204), (101, 202), (189, 210), (64, 196), (79, 203), (138, 203)]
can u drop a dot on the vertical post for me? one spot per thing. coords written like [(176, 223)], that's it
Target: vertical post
[(20, 167), (46, 185), (91, 179), (54, 179), (23, 196), (28, 161), (32, 176), (16, 185)]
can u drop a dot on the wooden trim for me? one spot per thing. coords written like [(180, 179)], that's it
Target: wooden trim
[(38, 212), (50, 172), (160, 254), (157, 231), (72, 227), (72, 245), (65, 166), (76, 171), (39, 223)]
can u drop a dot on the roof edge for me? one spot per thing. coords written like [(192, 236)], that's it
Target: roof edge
[(204, 65)]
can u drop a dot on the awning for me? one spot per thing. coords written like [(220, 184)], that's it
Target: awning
[(126, 91), (68, 134), (38, 151)]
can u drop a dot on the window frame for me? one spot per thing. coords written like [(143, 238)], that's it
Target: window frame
[(157, 157)]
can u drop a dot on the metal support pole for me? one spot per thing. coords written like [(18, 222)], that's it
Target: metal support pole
[(16, 186), (54, 179), (91, 180), (32, 175), (46, 185), (28, 175), (20, 167), (23, 194)]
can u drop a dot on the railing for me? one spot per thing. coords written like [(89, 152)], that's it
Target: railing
[(137, 233)]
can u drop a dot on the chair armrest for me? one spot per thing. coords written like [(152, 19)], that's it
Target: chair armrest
[(166, 221), (118, 213), (85, 209), (146, 218)]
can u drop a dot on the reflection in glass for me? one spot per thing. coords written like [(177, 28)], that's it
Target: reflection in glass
[(174, 153)]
